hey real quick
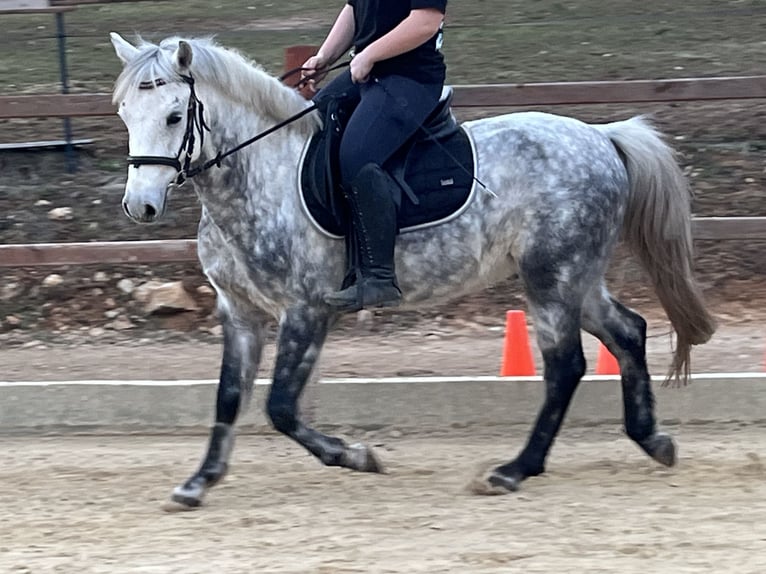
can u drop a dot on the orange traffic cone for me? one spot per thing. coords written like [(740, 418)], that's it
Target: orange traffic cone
[(607, 363), (517, 354)]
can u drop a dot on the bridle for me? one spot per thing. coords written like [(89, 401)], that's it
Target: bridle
[(195, 124)]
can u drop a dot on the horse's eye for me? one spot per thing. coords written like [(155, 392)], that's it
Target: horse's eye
[(173, 119)]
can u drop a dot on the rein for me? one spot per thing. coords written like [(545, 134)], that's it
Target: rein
[(195, 123)]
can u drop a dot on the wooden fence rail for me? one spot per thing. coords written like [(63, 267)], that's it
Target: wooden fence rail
[(466, 96), (179, 250)]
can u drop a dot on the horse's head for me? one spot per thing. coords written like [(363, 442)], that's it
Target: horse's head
[(157, 104)]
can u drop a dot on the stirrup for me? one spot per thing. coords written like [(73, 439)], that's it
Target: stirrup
[(372, 294)]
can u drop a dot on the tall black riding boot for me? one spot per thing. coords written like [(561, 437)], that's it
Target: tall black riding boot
[(373, 214)]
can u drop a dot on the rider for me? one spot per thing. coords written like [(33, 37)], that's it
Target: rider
[(397, 73)]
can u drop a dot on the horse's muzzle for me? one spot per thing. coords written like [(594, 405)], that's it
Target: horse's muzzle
[(143, 212)]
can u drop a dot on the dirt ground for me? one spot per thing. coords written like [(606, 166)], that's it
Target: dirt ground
[(95, 505)]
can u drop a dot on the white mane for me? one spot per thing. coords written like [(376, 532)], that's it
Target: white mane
[(230, 72)]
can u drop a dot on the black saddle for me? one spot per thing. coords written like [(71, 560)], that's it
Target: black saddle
[(433, 171)]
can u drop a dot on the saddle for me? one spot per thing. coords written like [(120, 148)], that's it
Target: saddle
[(433, 171)]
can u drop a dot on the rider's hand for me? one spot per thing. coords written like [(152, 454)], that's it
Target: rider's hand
[(313, 69), (361, 66)]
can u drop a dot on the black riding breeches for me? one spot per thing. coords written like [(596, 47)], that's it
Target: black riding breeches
[(389, 112)]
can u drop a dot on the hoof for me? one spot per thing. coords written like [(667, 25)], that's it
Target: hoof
[(510, 483), (493, 483), (660, 447), (189, 495), (360, 457)]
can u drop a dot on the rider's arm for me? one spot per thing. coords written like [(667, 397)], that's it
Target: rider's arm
[(419, 27), (339, 39)]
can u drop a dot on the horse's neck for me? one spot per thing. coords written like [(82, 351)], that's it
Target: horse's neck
[(256, 187)]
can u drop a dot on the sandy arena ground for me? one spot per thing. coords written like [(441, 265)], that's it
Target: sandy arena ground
[(95, 505), (87, 504)]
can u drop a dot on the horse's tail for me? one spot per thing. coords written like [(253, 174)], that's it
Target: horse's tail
[(657, 228)]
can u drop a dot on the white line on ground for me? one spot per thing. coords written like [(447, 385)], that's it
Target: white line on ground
[(356, 381)]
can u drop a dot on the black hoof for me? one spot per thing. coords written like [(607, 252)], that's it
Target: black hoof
[(660, 447), (187, 501), (361, 458), (497, 481), (190, 494), (510, 483)]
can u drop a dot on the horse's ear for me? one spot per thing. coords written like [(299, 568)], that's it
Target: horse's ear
[(183, 56), (125, 50)]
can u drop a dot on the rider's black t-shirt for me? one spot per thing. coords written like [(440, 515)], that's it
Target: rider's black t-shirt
[(374, 19)]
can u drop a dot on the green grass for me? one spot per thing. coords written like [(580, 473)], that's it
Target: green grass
[(487, 41)]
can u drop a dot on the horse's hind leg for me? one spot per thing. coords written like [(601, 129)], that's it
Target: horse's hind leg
[(302, 332), (557, 322), (623, 332), (242, 345)]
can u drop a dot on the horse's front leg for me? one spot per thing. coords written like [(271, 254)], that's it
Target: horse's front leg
[(242, 345), (302, 333)]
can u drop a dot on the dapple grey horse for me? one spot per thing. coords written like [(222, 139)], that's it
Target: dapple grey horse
[(563, 194)]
